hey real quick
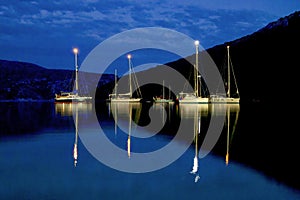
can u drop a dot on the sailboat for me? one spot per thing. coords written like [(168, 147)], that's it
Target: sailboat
[(227, 98), (74, 95), (126, 97), (163, 99), (196, 96)]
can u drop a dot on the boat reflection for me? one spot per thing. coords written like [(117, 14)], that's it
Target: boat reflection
[(197, 128), (125, 114), (73, 109), (232, 111), (198, 114), (68, 109), (190, 111), (164, 109), (195, 112), (75, 151)]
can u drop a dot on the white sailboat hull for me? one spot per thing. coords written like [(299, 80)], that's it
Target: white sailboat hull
[(72, 98), (125, 100), (227, 100), (197, 100)]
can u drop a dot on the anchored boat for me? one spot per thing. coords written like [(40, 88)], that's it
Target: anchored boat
[(195, 97), (126, 97), (229, 97), (74, 95)]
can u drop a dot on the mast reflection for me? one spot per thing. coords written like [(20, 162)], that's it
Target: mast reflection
[(197, 128), (75, 152), (232, 110), (129, 131), (195, 112), (73, 109), (66, 109), (124, 113)]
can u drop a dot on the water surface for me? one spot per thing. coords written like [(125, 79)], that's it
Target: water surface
[(37, 155)]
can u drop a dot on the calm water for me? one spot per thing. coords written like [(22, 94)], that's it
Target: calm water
[(37, 153)]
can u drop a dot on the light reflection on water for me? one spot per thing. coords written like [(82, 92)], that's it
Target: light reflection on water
[(41, 166)]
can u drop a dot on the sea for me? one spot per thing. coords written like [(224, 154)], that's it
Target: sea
[(146, 150)]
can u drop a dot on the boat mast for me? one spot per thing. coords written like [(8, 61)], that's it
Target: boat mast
[(228, 71), (75, 51), (116, 83), (163, 89), (169, 92), (196, 70), (129, 66)]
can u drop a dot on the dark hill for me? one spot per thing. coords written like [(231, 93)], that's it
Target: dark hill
[(27, 81), (264, 62), (266, 65)]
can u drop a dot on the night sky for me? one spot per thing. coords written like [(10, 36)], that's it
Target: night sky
[(44, 32)]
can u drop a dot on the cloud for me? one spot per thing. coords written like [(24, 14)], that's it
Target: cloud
[(61, 18), (116, 17), (87, 22), (34, 2), (205, 24), (244, 24), (121, 15), (26, 21), (90, 1)]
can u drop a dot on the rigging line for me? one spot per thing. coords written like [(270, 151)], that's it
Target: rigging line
[(222, 72), (235, 82), (234, 125), (71, 84), (137, 118), (204, 88), (187, 81), (136, 81), (83, 84)]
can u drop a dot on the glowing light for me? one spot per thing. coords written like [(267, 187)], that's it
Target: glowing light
[(75, 50), (128, 146), (197, 42), (227, 159), (128, 56), (75, 154)]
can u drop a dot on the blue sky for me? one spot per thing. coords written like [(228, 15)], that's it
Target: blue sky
[(44, 32)]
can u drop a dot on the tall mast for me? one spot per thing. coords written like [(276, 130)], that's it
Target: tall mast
[(116, 83), (169, 92), (196, 69), (75, 51), (228, 71), (163, 89), (129, 66)]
